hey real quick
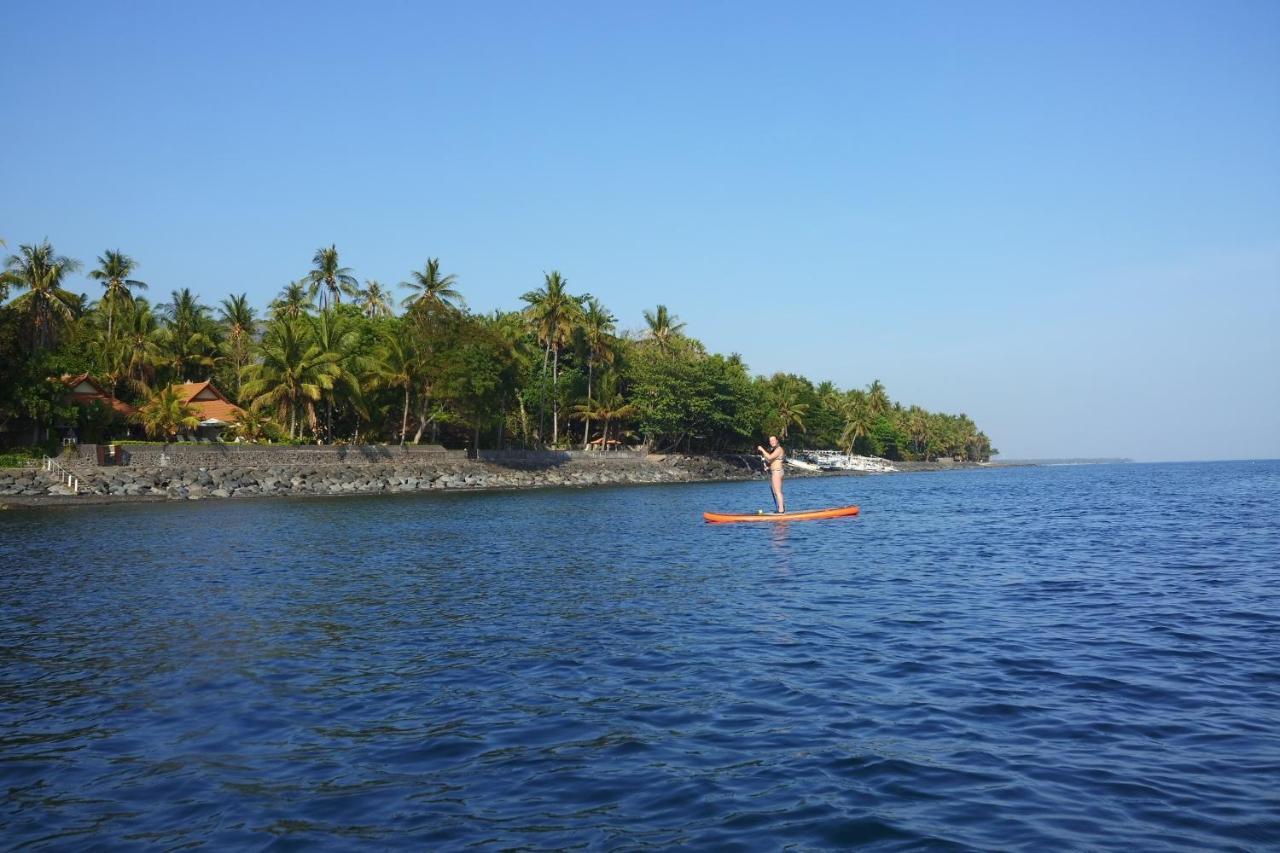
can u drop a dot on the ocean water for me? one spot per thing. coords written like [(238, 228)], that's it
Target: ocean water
[(1015, 659)]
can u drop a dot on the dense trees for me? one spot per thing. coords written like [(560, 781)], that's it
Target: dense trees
[(324, 369)]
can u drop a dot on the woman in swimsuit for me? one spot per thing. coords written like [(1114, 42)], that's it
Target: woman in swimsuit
[(773, 458)]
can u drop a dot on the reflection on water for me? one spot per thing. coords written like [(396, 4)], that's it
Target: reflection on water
[(1036, 658)]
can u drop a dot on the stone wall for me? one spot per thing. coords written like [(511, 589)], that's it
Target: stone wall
[(546, 458), (418, 472), (258, 455)]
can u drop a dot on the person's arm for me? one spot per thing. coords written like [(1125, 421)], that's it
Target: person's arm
[(772, 455)]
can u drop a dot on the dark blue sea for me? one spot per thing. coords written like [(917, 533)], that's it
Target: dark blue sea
[(1046, 658)]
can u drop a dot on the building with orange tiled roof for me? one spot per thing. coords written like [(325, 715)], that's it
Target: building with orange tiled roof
[(85, 390), (215, 411)]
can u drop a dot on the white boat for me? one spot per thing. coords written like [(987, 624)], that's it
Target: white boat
[(834, 460)]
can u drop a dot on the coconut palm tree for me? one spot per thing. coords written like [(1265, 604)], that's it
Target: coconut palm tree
[(292, 375), (857, 422), (254, 425), (294, 302), (166, 414), (141, 340), (330, 278), (597, 336), (917, 426), (609, 408), (241, 322), (335, 333), (663, 328), (375, 300), (553, 313), (877, 399), (791, 412), (431, 291), (114, 269), (46, 305), (190, 338), (397, 366)]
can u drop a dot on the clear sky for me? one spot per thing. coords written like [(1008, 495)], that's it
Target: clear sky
[(1060, 218)]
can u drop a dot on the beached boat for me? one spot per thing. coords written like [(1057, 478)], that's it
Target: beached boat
[(834, 460)]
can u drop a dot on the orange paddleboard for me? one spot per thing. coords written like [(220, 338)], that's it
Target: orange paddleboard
[(807, 515)]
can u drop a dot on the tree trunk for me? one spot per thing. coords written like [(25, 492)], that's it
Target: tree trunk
[(422, 418), (404, 418), (586, 428), (555, 397), (542, 394), (502, 424)]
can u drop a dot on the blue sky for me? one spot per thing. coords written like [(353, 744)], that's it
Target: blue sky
[(1062, 219)]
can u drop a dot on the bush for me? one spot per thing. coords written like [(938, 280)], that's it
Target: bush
[(18, 457)]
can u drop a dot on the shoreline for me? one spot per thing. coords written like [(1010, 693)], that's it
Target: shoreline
[(109, 486)]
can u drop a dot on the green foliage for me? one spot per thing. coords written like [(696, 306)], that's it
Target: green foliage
[(554, 373), (20, 457), (166, 415), (697, 403)]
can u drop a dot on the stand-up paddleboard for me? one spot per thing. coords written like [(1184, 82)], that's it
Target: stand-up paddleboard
[(806, 515)]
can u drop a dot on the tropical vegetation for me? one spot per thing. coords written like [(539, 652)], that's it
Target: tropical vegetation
[(312, 366)]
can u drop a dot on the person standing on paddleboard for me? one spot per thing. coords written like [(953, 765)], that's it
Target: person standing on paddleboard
[(773, 461)]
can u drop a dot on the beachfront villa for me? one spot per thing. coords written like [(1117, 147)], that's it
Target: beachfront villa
[(84, 390), (215, 411)]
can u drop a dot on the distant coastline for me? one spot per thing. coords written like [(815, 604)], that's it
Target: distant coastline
[(1101, 460)]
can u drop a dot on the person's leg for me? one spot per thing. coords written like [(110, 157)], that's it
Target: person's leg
[(777, 491)]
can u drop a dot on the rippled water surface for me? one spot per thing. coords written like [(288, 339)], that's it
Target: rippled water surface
[(1036, 658)]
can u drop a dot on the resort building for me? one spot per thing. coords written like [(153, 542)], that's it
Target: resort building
[(102, 414), (215, 411), (84, 390)]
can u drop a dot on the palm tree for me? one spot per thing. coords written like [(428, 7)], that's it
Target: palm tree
[(597, 334), (791, 412), (190, 336), (114, 269), (294, 301), (141, 342), (663, 328), (329, 278), (610, 407), (877, 399), (292, 375), (857, 423), (553, 313), (335, 334), (430, 290), (398, 366), (375, 300), (241, 322), (918, 429), (254, 425), (166, 414), (510, 332), (46, 304)]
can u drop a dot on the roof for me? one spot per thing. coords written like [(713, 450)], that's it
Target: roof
[(84, 389), (207, 401)]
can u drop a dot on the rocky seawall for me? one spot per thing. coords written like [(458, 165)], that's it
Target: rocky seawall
[(194, 476), (196, 482)]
